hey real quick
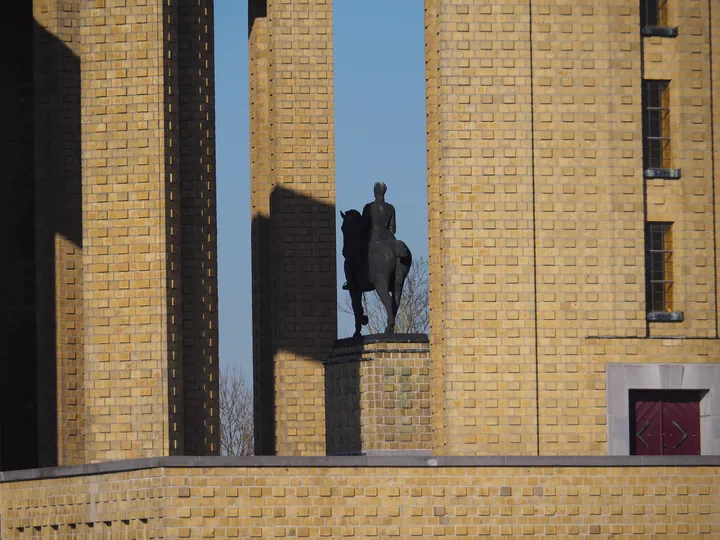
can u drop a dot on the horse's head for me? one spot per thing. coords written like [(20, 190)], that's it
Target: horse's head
[(352, 221), (353, 229)]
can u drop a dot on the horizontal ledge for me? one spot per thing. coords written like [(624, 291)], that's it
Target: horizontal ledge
[(662, 174), (659, 31), (663, 316), (640, 338), (357, 356), (380, 338), (176, 462)]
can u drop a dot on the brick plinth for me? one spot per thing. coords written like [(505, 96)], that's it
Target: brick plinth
[(377, 391)]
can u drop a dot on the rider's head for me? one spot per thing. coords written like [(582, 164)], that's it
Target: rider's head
[(380, 189)]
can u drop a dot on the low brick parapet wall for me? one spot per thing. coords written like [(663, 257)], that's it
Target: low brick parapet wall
[(365, 497)]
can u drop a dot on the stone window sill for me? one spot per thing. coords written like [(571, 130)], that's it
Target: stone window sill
[(662, 316), (672, 174), (659, 31)]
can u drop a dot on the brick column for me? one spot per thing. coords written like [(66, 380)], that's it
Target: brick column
[(58, 232), (294, 204), (134, 270), (196, 67), (261, 187), (435, 246), (481, 232)]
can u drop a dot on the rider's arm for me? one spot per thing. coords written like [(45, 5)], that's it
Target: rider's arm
[(366, 216)]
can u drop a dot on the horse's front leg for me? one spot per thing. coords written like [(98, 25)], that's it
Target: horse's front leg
[(360, 318)]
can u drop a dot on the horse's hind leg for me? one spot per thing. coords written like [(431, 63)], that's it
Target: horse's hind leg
[(397, 292), (383, 291), (360, 318), (402, 269)]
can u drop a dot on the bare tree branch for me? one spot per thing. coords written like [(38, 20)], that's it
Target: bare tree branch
[(236, 414), (414, 314)]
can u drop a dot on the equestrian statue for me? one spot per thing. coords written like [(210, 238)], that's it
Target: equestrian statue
[(374, 259)]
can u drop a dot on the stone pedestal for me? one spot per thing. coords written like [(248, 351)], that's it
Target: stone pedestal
[(377, 395)]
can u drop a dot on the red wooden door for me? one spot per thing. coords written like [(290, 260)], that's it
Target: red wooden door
[(648, 427), (681, 428), (665, 423)]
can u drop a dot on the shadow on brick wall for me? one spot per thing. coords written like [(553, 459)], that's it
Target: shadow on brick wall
[(294, 298), (58, 238), (257, 9), (342, 398), (40, 194), (18, 412)]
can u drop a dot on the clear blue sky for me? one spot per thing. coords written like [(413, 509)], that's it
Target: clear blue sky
[(379, 129)]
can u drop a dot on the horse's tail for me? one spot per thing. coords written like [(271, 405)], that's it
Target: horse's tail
[(403, 258)]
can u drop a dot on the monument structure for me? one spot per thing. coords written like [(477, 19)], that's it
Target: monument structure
[(374, 259), (570, 382)]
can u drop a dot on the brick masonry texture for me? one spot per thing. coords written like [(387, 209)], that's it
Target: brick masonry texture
[(378, 398), (481, 236), (368, 502), (198, 211), (114, 263), (293, 208), (149, 228), (58, 232), (537, 206)]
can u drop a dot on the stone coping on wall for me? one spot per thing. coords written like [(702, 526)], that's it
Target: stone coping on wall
[(353, 349), (414, 461), (380, 338)]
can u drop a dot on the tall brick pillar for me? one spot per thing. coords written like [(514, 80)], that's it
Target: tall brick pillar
[(148, 229), (196, 65), (293, 201), (58, 231), (480, 196)]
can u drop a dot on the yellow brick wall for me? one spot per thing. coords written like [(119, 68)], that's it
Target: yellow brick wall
[(196, 65), (537, 205), (261, 240), (149, 230), (368, 502), (589, 208), (481, 237), (435, 246), (293, 183), (129, 260), (687, 203), (58, 231)]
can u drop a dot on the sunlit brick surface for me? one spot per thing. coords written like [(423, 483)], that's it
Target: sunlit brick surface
[(368, 502), (293, 205), (537, 211), (378, 398), (150, 298)]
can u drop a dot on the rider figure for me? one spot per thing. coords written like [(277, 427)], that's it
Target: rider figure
[(380, 216)]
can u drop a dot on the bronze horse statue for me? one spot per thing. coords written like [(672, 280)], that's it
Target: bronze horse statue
[(381, 266)]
